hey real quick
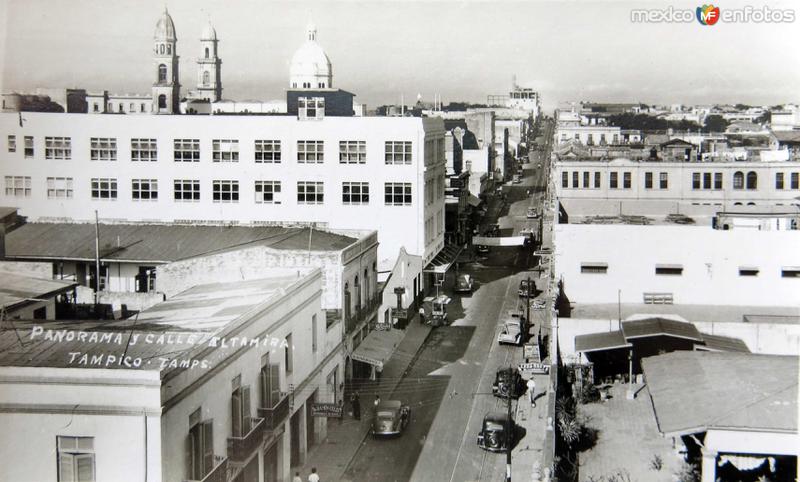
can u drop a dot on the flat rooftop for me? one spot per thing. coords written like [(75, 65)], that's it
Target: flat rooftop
[(169, 330), (711, 313), (159, 243), (15, 288)]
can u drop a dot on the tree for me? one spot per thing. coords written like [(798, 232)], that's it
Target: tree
[(715, 123)]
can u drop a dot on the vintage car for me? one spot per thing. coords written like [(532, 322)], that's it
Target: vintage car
[(391, 418), (511, 334), (497, 432), (525, 290), (508, 383), (532, 213), (482, 249), (464, 283)]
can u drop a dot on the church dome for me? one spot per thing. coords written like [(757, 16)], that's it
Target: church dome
[(209, 33), (165, 29), (310, 67)]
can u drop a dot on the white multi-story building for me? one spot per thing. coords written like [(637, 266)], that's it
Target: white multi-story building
[(381, 173)]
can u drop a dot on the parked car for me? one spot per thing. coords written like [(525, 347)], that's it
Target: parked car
[(511, 333), (482, 249), (532, 213), (516, 179), (464, 283), (525, 290), (508, 383), (497, 432), (391, 418), (539, 305)]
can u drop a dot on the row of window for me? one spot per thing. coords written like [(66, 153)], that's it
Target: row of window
[(700, 181), (266, 192), (223, 150), (677, 270)]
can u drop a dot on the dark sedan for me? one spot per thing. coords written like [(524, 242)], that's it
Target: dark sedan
[(497, 432), (391, 418)]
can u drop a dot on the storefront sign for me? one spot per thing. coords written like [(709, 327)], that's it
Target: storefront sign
[(538, 368), (333, 410)]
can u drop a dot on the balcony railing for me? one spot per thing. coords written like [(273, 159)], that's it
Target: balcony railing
[(275, 416), (240, 448), (219, 473), (363, 312)]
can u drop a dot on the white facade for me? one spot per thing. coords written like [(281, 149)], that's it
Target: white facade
[(693, 265), (413, 217), (589, 135), (310, 68)]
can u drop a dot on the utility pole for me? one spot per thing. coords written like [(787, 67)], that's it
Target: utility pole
[(509, 439), (527, 310), (96, 259)]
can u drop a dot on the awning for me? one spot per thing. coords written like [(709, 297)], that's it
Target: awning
[(444, 259), (474, 200), (377, 347), (600, 341)]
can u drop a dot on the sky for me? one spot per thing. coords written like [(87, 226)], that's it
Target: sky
[(380, 50)]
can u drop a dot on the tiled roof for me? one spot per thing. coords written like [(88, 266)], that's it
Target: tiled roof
[(722, 343), (723, 390), (157, 243)]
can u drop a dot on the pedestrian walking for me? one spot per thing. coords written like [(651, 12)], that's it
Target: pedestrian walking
[(296, 477), (313, 477), (355, 401), (377, 401), (421, 314), (532, 390)]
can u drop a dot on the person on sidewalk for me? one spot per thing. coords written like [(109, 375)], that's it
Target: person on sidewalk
[(296, 477), (313, 477), (422, 315), (531, 391), (377, 401), (355, 401)]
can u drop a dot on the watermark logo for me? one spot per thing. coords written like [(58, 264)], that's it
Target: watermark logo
[(707, 14)]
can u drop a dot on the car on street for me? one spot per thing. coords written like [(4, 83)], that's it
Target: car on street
[(532, 213), (525, 290), (464, 283), (516, 179), (508, 383), (539, 305), (482, 249), (391, 418), (497, 432), (511, 333)]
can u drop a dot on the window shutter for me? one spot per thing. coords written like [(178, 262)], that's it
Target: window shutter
[(66, 467), (85, 463), (264, 379), (246, 425), (208, 446), (236, 413), (189, 452), (275, 385)]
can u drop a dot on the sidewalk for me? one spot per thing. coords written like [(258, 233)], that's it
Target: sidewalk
[(332, 456)]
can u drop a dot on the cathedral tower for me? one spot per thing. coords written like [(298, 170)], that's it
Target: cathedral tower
[(166, 88), (209, 67)]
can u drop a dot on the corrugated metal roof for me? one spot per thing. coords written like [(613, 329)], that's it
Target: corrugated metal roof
[(158, 243), (17, 288), (723, 390), (659, 326), (600, 341), (722, 343)]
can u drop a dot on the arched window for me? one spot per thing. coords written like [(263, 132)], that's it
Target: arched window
[(358, 292), (206, 78), (120, 107), (294, 85), (162, 73), (367, 293), (169, 49), (206, 52), (141, 107), (161, 49), (752, 180), (162, 101), (738, 180)]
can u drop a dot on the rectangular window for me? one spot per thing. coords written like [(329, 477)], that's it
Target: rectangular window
[(596, 268), (669, 269), (355, 193), (397, 152), (186, 150), (144, 150), (310, 108), (648, 180), (397, 194), (103, 149), (748, 271), (104, 188), (267, 191), (565, 179), (778, 180), (59, 187), (268, 151), (586, 179), (288, 354), (270, 382), (717, 180), (240, 409), (613, 182), (201, 446), (12, 143), (225, 150), (314, 333), (663, 180), (225, 191), (144, 189), (75, 459), (28, 147), (794, 180), (58, 148), (310, 192), (597, 180), (696, 180), (575, 175), (18, 186), (626, 180), (706, 180), (186, 189), (310, 152), (352, 152)]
